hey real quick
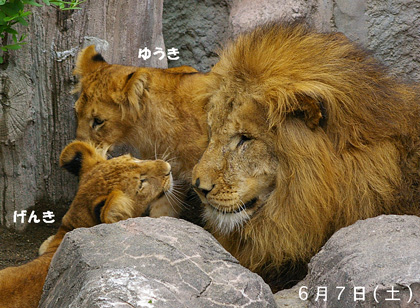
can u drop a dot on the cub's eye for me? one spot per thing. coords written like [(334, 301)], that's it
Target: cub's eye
[(97, 122), (142, 184), (243, 140)]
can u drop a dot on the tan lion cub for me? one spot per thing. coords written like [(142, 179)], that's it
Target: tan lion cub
[(160, 112), (109, 191)]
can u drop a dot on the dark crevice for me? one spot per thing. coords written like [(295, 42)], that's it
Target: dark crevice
[(205, 288)]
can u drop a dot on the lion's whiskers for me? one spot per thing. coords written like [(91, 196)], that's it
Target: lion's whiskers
[(178, 189), (243, 209), (169, 160), (168, 197), (155, 150), (173, 197), (225, 221), (165, 154)]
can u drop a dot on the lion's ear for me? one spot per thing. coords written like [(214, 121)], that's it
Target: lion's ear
[(78, 157), (311, 110), (114, 207), (88, 61), (135, 90)]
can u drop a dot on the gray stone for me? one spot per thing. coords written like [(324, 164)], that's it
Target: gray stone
[(378, 258), (197, 29), (390, 29), (147, 262), (290, 298), (245, 14), (350, 18), (393, 29)]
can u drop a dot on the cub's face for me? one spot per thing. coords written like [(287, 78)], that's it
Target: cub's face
[(142, 181), (100, 106), (112, 190), (237, 171)]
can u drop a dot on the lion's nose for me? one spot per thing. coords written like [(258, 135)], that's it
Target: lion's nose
[(168, 169), (202, 188)]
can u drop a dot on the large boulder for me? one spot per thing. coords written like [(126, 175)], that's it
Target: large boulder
[(373, 263), (293, 297), (147, 262)]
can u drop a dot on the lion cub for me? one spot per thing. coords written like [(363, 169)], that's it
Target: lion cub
[(160, 112), (109, 191)]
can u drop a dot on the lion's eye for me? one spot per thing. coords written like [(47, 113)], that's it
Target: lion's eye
[(97, 122), (243, 140)]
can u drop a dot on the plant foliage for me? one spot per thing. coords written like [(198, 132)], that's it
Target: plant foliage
[(13, 12)]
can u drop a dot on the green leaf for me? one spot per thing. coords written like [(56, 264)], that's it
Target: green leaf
[(8, 10), (9, 18), (11, 31), (1, 59), (24, 14), (11, 47), (16, 16), (31, 2), (19, 4), (72, 5), (2, 2), (12, 8), (23, 21)]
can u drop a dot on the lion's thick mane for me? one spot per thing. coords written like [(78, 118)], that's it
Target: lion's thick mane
[(347, 139)]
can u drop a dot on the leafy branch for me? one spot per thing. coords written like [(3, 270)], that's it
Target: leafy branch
[(12, 12)]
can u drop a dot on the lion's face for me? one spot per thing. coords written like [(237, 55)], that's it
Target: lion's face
[(99, 108), (237, 172), (120, 104), (142, 181), (112, 190)]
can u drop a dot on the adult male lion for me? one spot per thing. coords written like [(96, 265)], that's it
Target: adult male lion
[(308, 134), (109, 191), (157, 111)]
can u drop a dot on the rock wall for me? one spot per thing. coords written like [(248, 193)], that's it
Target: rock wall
[(390, 29), (196, 28)]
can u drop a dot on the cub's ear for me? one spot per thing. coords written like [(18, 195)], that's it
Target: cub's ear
[(114, 207), (135, 89), (88, 61), (78, 157)]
